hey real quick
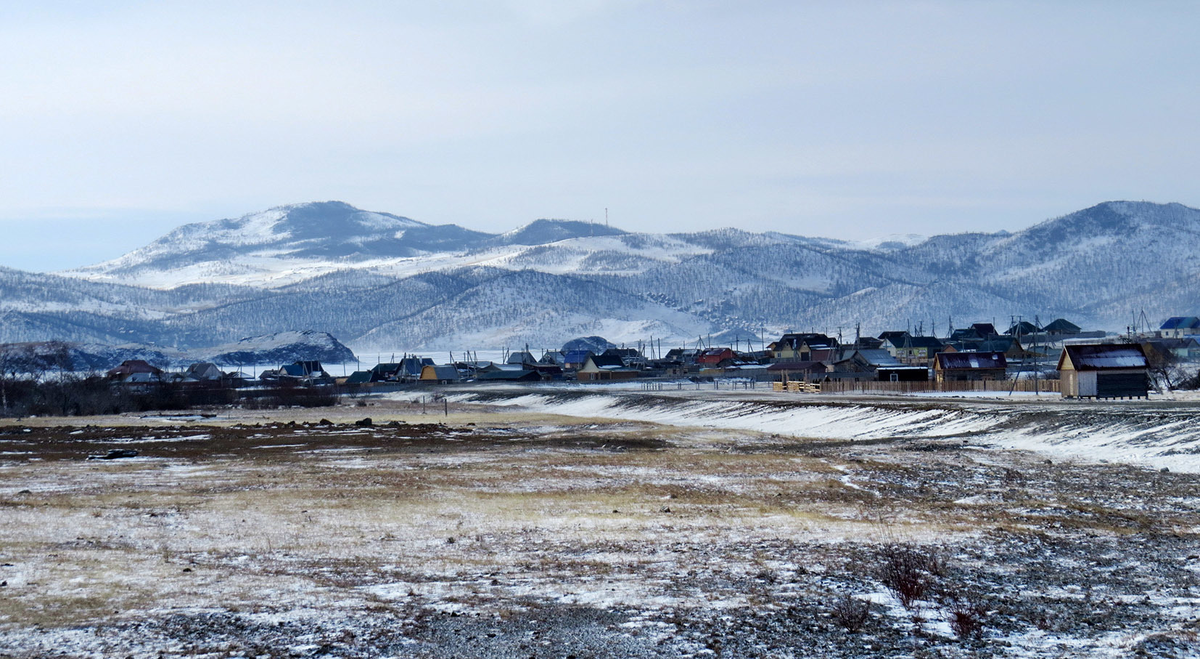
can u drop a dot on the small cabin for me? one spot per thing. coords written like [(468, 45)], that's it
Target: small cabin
[(1104, 371)]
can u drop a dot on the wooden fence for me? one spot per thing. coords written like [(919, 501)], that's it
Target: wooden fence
[(872, 386)]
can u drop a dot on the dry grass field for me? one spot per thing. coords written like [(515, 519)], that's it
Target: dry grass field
[(501, 533)]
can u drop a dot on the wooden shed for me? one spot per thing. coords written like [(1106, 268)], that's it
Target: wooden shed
[(1104, 371), (969, 366)]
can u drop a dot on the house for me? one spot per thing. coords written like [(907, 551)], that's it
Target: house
[(868, 343), (600, 368), (909, 348), (508, 373), (553, 358), (969, 366), (876, 364), (135, 370), (891, 335), (547, 371), (964, 335), (237, 379), (1162, 351), (796, 346), (575, 359), (665, 368), (1010, 346), (385, 372), (359, 378), (523, 357), (1061, 327), (631, 357), (440, 374), (1178, 327), (685, 356), (984, 330), (411, 365), (808, 371), (1104, 371), (715, 357), (1022, 328), (203, 372)]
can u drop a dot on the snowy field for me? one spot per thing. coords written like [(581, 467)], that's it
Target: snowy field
[(605, 522), (1156, 433)]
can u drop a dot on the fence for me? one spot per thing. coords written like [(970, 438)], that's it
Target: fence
[(871, 386)]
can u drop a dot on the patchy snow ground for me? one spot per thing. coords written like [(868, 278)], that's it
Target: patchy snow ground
[(577, 525), (1160, 433)]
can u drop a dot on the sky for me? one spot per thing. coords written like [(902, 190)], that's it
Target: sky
[(122, 120)]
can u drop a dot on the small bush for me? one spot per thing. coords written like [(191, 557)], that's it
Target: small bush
[(966, 619), (851, 613), (909, 572)]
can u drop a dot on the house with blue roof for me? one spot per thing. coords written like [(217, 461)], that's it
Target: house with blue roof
[(1178, 327)]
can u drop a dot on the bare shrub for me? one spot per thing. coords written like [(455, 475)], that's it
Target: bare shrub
[(851, 613), (909, 572), (966, 619)]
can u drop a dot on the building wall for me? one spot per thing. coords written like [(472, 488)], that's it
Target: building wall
[(1069, 383), (1087, 383)]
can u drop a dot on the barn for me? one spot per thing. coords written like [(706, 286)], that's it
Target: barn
[(1104, 371)]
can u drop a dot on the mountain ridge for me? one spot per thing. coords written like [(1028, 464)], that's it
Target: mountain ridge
[(377, 279)]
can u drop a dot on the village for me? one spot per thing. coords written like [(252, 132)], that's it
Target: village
[(1059, 357)]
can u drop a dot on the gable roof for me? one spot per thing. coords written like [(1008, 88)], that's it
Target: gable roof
[(999, 344), (1022, 327), (1181, 322), (131, 366), (984, 330), (442, 372), (915, 342), (577, 356), (1099, 357), (795, 339), (600, 361), (971, 361), (877, 358), (521, 357), (1062, 325), (204, 371)]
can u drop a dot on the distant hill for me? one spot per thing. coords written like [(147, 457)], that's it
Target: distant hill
[(382, 282)]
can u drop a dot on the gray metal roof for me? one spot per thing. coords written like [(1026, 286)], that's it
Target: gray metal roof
[(1105, 356), (956, 361)]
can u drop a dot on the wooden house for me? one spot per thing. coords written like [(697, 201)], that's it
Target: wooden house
[(911, 349), (969, 366), (795, 347), (600, 368), (439, 374), (1104, 371)]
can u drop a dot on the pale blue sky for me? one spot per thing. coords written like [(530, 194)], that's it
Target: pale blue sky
[(119, 121)]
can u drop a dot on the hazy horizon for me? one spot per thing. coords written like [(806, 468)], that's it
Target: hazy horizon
[(850, 120)]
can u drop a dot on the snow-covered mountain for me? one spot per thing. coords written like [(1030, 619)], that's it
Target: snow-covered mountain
[(384, 282)]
